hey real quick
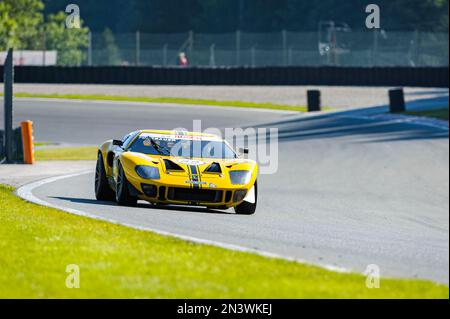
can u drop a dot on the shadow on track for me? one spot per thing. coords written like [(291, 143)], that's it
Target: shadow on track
[(174, 208), (369, 125)]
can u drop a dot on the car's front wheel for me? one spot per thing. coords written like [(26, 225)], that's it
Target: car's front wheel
[(123, 196), (102, 189), (248, 208)]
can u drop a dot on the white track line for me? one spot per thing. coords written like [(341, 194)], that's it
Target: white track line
[(26, 192)]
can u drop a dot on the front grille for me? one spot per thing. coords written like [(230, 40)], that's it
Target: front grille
[(195, 195), (162, 193), (149, 190), (227, 196)]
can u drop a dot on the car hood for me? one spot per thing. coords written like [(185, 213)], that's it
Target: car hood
[(181, 165)]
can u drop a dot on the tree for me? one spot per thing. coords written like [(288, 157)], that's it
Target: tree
[(213, 16), (109, 53), (19, 23), (8, 28), (70, 43)]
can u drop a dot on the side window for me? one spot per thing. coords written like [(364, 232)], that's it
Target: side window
[(128, 138)]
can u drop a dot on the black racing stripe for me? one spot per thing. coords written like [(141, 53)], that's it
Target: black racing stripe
[(194, 171), (199, 175), (190, 176)]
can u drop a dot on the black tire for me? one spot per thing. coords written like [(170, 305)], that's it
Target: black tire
[(123, 197), (102, 189), (246, 208)]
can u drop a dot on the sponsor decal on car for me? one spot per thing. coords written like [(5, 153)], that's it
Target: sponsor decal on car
[(195, 183), (190, 162)]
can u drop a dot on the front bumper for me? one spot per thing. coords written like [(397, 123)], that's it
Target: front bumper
[(179, 193), (191, 196)]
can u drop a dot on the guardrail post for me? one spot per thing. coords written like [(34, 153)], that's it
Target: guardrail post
[(238, 47), (138, 48), (89, 48), (313, 97), (8, 77), (396, 101)]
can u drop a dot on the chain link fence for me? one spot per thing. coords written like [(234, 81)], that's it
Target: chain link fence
[(376, 48)]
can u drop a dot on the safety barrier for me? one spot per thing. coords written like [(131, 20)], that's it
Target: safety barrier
[(355, 76), (27, 139), (18, 147)]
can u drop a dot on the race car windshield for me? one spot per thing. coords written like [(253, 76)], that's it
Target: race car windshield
[(182, 147)]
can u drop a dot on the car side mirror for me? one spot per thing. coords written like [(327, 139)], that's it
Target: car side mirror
[(243, 150), (117, 142)]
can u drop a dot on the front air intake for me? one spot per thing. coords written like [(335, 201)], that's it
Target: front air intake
[(213, 168), (195, 195), (171, 166)]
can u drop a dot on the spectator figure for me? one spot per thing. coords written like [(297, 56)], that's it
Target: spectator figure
[(182, 59)]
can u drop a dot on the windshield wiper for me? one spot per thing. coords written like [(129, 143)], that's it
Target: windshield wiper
[(160, 149)]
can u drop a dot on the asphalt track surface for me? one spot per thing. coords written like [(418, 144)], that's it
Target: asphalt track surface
[(352, 189)]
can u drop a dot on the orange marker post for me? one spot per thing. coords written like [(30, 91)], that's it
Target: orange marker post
[(27, 139)]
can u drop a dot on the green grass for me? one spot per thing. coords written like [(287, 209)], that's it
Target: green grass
[(37, 243), (167, 100), (66, 154), (441, 114), (42, 143)]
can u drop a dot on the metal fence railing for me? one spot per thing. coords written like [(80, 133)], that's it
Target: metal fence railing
[(368, 48), (324, 48)]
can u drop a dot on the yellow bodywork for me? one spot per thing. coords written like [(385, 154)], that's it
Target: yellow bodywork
[(170, 179)]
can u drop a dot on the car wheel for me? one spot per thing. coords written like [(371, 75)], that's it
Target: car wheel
[(102, 189), (247, 208), (123, 196)]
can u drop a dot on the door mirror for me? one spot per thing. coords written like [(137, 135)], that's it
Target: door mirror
[(117, 142)]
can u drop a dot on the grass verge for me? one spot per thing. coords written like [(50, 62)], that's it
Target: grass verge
[(66, 154), (41, 143), (37, 243), (441, 114), (174, 100)]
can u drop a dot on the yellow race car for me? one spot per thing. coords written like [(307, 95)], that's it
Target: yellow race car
[(178, 168)]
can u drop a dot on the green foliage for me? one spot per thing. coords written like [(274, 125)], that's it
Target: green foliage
[(213, 16), (109, 53), (22, 26), (8, 28), (69, 43), (19, 23)]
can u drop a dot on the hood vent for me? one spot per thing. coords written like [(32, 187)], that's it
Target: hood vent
[(171, 166), (213, 168)]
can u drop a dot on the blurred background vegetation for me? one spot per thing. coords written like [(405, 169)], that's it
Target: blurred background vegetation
[(218, 16), (40, 24), (24, 25)]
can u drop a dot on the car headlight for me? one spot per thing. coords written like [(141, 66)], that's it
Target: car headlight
[(147, 172), (240, 177)]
